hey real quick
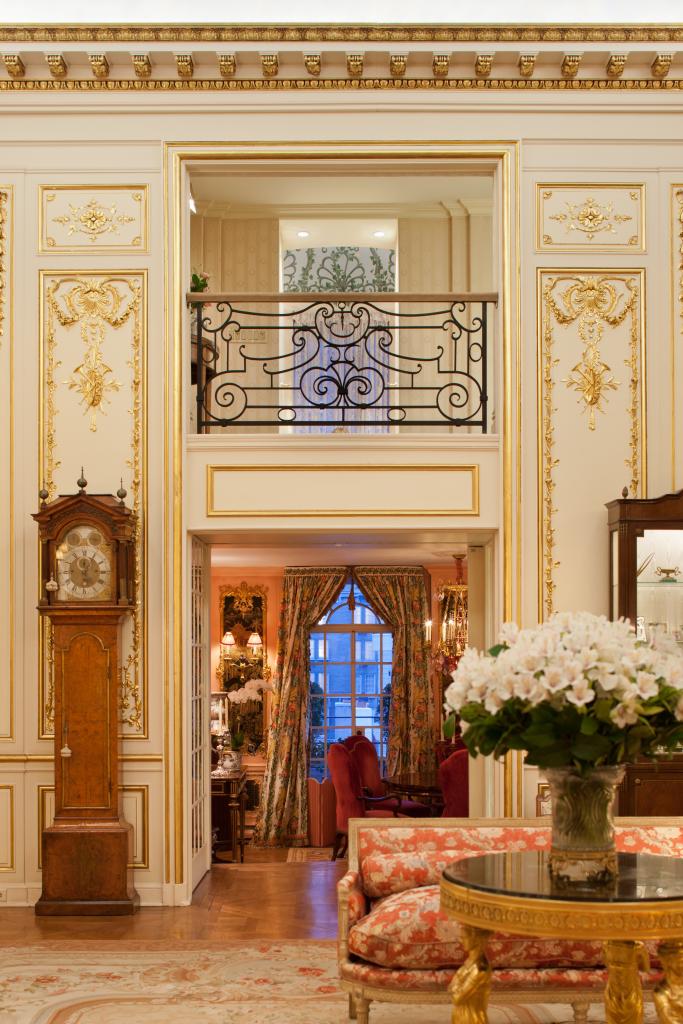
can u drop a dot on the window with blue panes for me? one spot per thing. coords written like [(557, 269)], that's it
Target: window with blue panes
[(351, 651)]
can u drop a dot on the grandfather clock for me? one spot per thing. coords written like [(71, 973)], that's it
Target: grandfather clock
[(87, 589)]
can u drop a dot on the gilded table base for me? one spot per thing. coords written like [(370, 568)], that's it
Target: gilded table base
[(471, 983), (624, 994), (668, 995)]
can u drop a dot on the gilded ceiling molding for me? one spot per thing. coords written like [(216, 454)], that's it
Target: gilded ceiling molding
[(185, 65), (570, 65), (483, 65), (98, 304), (354, 65), (167, 85), (269, 65), (313, 63), (227, 65), (661, 65), (615, 65), (398, 62), (15, 65), (142, 66), (441, 63), (57, 65), (526, 64), (341, 33), (99, 65), (594, 302)]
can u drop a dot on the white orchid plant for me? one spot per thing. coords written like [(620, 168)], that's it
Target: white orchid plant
[(252, 690), (577, 691)]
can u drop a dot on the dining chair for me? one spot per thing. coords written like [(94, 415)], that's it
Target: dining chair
[(454, 781), (364, 753), (351, 802)]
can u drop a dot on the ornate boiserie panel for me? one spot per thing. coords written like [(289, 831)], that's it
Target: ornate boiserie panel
[(7, 828), (591, 424), (93, 415), (573, 218), (135, 809), (677, 322), (6, 466), (96, 218)]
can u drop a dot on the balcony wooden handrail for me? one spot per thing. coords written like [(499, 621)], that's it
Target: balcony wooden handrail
[(243, 298)]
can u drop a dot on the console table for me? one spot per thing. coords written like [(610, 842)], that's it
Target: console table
[(513, 892), (228, 803)]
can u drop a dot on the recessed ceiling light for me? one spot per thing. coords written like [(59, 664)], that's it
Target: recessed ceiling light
[(302, 234), (378, 234)]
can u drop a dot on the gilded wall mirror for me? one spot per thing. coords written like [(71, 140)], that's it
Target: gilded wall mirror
[(452, 618), (243, 671)]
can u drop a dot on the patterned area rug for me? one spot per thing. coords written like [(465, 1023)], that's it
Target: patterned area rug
[(253, 983), (301, 854)]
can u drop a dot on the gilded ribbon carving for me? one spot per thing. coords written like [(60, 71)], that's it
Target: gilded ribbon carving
[(97, 305), (594, 303), (4, 199)]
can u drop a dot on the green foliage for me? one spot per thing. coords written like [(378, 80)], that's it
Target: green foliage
[(199, 283), (237, 741)]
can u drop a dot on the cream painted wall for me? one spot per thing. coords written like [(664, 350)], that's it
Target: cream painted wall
[(83, 139)]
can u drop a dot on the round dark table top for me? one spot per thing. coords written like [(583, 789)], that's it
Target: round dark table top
[(415, 782), (642, 877)]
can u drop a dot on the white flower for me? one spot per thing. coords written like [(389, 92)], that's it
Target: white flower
[(581, 692), (646, 685), (554, 679), (623, 715)]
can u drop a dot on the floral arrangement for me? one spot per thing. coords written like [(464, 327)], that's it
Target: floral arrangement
[(576, 691), (199, 281), (252, 690)]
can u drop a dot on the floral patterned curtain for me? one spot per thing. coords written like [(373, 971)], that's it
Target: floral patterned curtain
[(307, 594), (399, 595)]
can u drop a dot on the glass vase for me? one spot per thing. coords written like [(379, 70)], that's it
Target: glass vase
[(583, 850)]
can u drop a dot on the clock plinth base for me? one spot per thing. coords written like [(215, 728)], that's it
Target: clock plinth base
[(86, 870)]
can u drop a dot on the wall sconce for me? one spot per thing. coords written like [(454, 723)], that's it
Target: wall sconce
[(253, 642), (228, 640), (428, 631)]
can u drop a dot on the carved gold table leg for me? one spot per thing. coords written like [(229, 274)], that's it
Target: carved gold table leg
[(623, 994), (668, 995), (472, 982)]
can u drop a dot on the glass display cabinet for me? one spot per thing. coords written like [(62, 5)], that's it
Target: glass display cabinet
[(646, 586)]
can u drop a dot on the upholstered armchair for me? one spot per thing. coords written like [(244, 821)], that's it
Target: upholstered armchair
[(454, 782), (351, 801)]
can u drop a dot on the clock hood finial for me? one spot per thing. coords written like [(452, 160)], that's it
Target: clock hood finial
[(43, 494), (82, 482), (121, 493)]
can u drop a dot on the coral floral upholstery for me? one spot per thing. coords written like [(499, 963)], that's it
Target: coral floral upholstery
[(394, 937)]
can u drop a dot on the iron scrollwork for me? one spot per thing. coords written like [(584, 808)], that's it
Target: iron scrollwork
[(340, 364)]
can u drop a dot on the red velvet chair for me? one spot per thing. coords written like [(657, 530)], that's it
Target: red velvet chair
[(454, 782), (351, 803), (364, 753)]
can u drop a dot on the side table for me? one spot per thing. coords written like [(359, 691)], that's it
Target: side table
[(228, 790), (513, 892)]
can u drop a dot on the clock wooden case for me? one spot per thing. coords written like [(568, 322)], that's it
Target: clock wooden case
[(87, 561)]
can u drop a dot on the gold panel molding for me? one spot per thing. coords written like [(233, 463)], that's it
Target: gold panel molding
[(7, 798), (601, 217), (96, 218), (107, 313), (5, 199), (677, 314), (578, 312), (335, 472), (7, 355), (140, 828)]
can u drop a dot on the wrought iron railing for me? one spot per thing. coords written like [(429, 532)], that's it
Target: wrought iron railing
[(356, 362)]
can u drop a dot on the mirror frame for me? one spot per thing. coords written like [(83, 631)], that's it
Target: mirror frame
[(239, 613)]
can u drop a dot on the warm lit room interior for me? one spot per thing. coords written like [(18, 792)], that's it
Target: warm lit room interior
[(341, 613)]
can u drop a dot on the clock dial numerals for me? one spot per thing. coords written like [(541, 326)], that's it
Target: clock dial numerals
[(84, 566)]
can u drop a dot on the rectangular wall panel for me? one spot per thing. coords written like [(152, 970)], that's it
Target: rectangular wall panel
[(93, 416), (676, 335), (7, 539), (597, 217), (591, 429), (7, 828), (93, 218)]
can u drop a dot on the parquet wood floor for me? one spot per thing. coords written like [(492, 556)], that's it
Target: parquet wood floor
[(261, 899)]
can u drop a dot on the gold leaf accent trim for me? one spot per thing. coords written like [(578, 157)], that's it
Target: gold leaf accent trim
[(549, 462), (91, 219), (592, 218), (4, 201)]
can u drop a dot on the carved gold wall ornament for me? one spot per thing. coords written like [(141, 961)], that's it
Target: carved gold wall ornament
[(441, 63), (354, 65), (227, 65), (570, 65), (526, 64), (269, 65), (92, 219), (142, 65), (15, 65), (98, 305), (483, 65), (591, 219), (593, 302), (313, 63), (677, 330), (398, 62), (184, 65), (57, 65), (99, 65), (4, 200), (661, 65), (616, 65)]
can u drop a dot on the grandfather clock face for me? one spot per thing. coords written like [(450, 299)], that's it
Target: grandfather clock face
[(85, 564)]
